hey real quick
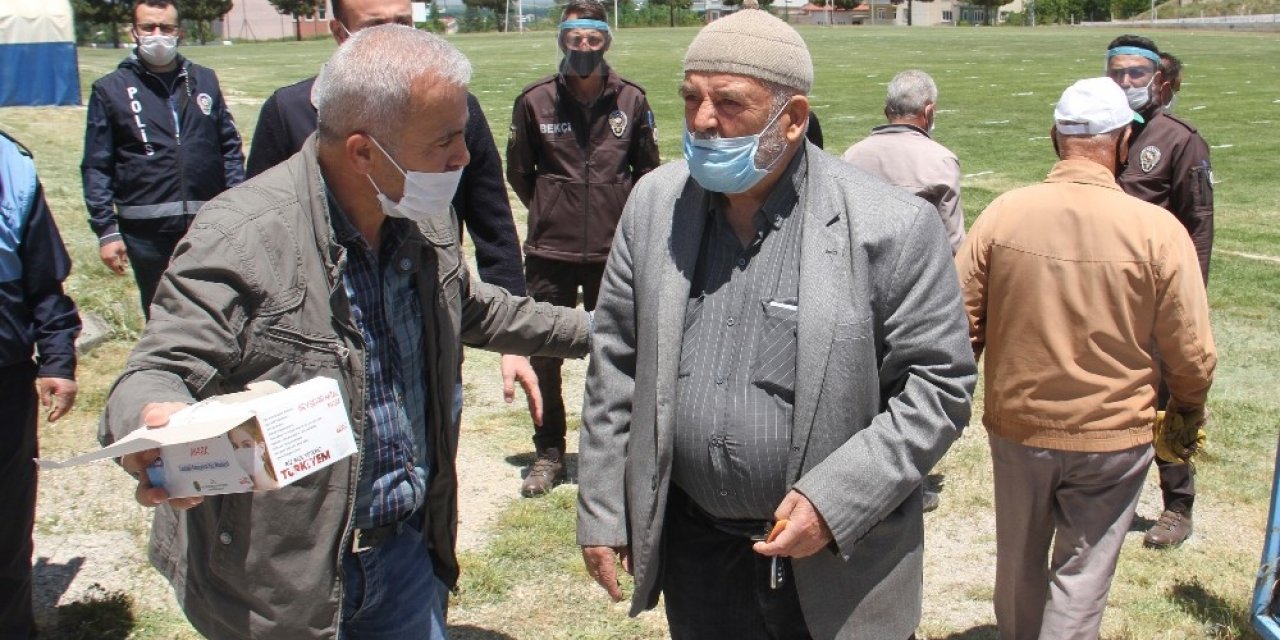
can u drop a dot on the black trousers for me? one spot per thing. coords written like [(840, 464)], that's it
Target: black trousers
[(150, 245), (17, 499), (715, 586), (557, 282)]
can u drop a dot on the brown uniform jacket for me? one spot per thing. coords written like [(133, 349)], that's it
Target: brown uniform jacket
[(1068, 286), (1169, 167), (573, 165)]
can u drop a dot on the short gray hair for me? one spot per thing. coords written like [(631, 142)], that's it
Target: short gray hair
[(367, 84), (909, 92)]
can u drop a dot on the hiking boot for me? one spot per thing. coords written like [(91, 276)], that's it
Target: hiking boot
[(547, 472), (1172, 529)]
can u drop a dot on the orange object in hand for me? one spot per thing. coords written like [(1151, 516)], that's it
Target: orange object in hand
[(777, 529)]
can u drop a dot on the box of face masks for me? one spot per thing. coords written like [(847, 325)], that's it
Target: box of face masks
[(263, 438)]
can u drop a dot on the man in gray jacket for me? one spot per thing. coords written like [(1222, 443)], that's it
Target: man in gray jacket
[(342, 262), (904, 153), (779, 337)]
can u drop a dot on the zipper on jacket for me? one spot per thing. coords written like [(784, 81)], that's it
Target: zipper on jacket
[(185, 79)]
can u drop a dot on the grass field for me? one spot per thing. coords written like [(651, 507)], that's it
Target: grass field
[(997, 89)]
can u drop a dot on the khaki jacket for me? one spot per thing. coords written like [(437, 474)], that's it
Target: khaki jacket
[(1070, 286), (905, 156), (254, 292)]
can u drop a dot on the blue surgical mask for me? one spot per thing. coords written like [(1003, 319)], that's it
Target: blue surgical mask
[(726, 165)]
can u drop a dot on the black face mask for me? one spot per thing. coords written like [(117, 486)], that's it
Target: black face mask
[(581, 63)]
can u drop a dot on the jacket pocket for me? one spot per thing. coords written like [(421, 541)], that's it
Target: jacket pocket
[(290, 344), (542, 210), (774, 367)]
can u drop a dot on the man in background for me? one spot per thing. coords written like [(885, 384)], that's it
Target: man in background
[(1168, 167), (35, 316), (579, 139), (903, 153), (158, 143), (1070, 286)]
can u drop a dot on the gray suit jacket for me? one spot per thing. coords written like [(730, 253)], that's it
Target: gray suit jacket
[(884, 380)]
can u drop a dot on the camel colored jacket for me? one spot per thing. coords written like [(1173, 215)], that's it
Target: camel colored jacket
[(1071, 286)]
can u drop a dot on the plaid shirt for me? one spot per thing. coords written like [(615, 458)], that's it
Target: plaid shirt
[(385, 305)]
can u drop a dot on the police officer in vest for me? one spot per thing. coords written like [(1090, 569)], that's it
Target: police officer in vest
[(1168, 167), (159, 142)]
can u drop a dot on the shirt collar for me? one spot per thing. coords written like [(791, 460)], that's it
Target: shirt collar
[(394, 230), (781, 202), (1082, 172), (901, 127)]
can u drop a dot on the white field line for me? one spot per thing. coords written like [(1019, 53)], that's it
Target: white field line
[(1252, 256)]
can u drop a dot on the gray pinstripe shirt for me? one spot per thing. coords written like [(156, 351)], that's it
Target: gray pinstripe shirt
[(736, 387)]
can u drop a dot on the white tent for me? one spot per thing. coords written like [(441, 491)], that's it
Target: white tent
[(38, 53)]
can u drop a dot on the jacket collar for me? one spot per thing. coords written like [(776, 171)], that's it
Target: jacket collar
[(612, 82), (900, 128), (1082, 172)]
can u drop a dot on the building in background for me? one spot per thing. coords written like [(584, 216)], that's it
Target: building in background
[(259, 20)]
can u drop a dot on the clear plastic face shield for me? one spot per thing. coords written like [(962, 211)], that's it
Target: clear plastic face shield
[(1135, 69), (583, 43)]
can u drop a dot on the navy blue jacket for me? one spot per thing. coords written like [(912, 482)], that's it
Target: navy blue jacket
[(33, 263), (288, 117), (138, 164)]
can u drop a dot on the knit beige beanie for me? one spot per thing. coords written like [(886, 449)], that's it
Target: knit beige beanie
[(754, 44)]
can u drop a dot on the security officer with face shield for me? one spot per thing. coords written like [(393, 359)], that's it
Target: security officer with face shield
[(1168, 167), (579, 140)]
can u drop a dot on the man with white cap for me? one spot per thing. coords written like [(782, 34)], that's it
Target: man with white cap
[(1069, 285), (779, 337)]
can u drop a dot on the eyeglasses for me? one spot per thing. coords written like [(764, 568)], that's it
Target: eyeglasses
[(1133, 73), (152, 27)]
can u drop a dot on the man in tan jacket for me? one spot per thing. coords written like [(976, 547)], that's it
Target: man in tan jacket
[(1069, 285), (904, 153)]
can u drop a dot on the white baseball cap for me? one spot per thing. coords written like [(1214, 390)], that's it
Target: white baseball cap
[(1092, 106)]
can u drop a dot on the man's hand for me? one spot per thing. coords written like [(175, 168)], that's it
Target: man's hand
[(57, 395), (518, 368), (806, 532), (154, 415), (114, 256), (602, 565)]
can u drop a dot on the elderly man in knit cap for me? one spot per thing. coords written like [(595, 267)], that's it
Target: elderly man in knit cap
[(779, 357)]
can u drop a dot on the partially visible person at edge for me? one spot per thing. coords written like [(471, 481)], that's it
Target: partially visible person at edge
[(1168, 167), (37, 318), (780, 336), (378, 296), (1172, 67), (1069, 379), (904, 154), (159, 142), (579, 139), (288, 118)]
